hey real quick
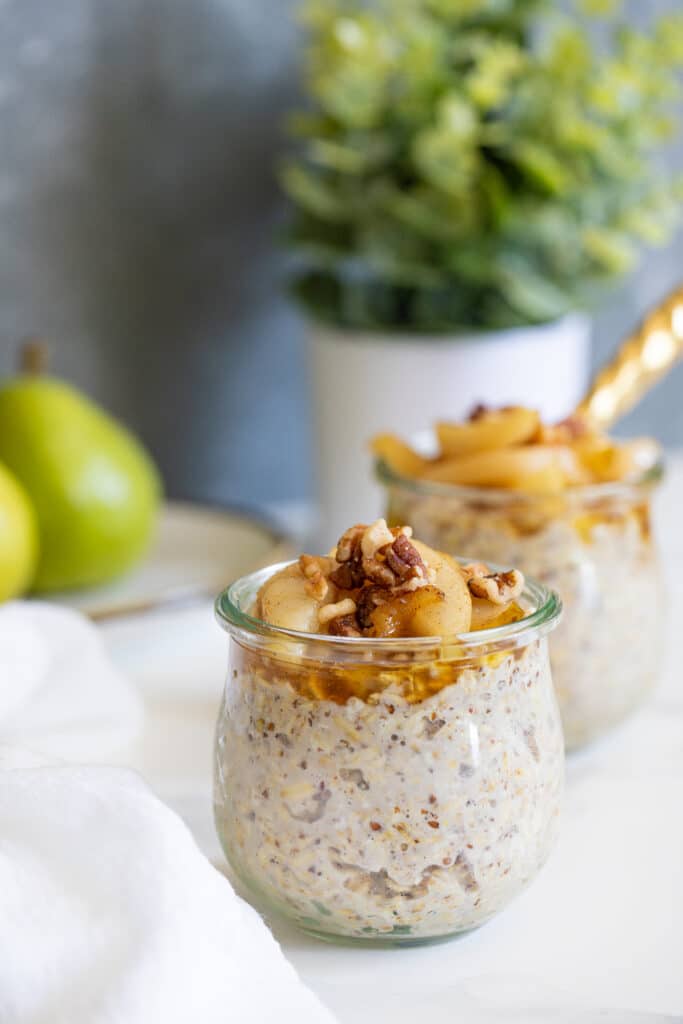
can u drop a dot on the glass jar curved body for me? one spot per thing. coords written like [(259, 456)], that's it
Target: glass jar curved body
[(594, 546), (388, 791)]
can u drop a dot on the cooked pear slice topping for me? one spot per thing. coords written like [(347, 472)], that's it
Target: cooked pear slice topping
[(400, 456), (511, 449), (381, 583), (486, 615), (284, 600), (544, 468), (497, 428)]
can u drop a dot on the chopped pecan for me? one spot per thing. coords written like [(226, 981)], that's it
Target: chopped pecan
[(377, 564), (375, 537), (497, 587), (348, 545), (348, 576), (416, 582), (316, 583), (405, 560), (334, 611), (474, 569), (377, 570), (345, 625), (360, 548)]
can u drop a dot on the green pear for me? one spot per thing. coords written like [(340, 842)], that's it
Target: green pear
[(94, 489), (18, 537)]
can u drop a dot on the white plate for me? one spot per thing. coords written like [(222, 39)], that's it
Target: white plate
[(198, 550)]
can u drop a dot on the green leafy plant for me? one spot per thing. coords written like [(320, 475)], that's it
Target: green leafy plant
[(477, 163)]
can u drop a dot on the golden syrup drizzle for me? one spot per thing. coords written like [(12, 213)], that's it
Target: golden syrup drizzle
[(339, 683), (585, 523)]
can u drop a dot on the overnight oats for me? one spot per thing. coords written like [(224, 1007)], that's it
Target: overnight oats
[(389, 752), (570, 507)]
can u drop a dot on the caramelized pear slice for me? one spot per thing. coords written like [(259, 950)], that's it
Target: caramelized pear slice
[(395, 617), (497, 428), (596, 454), (447, 576), (284, 601), (426, 611), (399, 456), (510, 468), (607, 461), (486, 615), (442, 608)]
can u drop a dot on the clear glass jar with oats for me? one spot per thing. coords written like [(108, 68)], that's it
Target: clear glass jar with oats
[(570, 508), (374, 781)]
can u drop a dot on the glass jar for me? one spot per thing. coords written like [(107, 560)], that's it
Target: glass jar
[(591, 544), (387, 790)]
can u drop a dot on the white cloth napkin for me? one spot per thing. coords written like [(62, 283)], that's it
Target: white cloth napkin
[(109, 914), (59, 692)]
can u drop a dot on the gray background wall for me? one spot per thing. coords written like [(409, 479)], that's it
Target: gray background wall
[(138, 223)]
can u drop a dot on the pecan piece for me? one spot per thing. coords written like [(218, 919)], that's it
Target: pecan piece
[(348, 576), (375, 538), (405, 560), (475, 569), (378, 571), (348, 545), (336, 610), (316, 584), (497, 587), (345, 625)]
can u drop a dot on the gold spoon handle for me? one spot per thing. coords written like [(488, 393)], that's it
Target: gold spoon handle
[(642, 360)]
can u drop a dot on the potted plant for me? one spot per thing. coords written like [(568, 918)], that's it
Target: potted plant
[(472, 175)]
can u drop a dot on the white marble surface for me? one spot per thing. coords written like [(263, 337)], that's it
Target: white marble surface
[(597, 939)]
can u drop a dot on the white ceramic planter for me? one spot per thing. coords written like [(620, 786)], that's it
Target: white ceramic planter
[(366, 383)]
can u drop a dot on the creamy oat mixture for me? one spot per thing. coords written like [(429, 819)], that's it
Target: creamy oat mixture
[(598, 554), (399, 801), (606, 652), (390, 818)]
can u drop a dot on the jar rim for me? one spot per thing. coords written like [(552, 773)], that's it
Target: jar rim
[(578, 493), (544, 614)]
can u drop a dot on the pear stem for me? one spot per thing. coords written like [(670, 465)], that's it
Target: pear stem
[(33, 357)]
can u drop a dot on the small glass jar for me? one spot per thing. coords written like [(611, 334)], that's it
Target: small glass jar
[(591, 544), (387, 790)]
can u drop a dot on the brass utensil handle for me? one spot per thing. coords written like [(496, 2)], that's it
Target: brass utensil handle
[(642, 360)]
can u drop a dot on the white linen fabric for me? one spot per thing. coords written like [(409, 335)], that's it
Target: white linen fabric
[(60, 695), (109, 914)]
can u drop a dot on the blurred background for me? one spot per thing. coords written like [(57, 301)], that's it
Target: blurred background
[(140, 215)]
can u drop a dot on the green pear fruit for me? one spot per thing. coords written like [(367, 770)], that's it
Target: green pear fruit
[(18, 537), (94, 489)]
